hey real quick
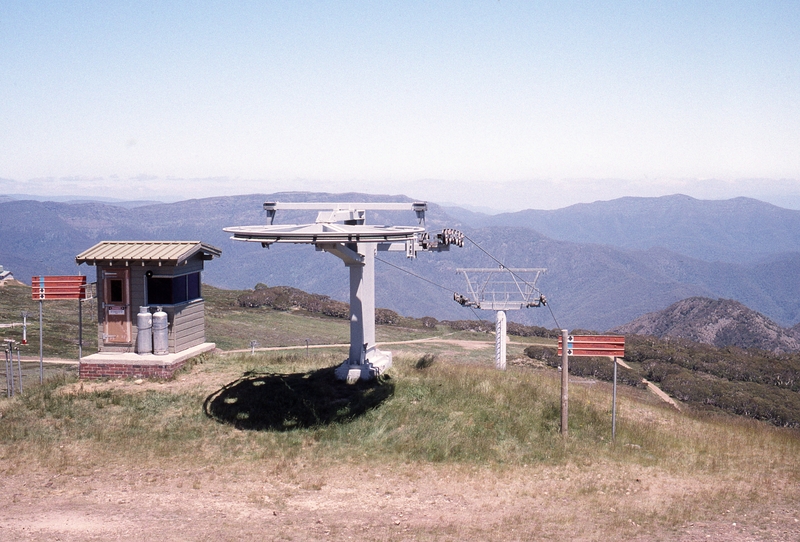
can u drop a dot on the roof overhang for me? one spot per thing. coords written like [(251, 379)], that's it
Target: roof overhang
[(146, 252)]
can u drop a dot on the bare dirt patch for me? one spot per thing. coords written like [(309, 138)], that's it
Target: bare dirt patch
[(273, 501)]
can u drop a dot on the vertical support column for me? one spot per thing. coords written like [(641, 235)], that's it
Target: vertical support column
[(500, 341), (365, 361), (362, 305), (564, 384)]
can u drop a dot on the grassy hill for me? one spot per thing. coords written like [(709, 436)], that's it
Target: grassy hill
[(243, 445)]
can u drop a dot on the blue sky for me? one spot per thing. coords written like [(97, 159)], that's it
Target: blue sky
[(502, 104)]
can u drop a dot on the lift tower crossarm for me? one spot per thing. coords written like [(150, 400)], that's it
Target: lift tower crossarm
[(334, 212)]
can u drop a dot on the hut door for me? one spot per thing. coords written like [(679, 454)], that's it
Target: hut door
[(116, 306)]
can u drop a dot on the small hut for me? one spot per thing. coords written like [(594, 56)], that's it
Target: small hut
[(147, 275)]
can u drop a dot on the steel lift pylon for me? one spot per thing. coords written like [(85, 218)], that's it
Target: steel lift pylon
[(501, 289), (341, 230)]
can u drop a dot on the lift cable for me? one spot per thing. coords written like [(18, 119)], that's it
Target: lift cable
[(414, 274), (428, 281), (502, 265)]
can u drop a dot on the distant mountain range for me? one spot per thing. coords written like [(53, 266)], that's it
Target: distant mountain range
[(739, 230), (718, 322), (607, 263)]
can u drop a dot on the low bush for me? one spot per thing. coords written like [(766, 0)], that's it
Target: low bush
[(590, 367)]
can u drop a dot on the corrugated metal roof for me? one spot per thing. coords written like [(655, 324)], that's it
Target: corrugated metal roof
[(173, 252)]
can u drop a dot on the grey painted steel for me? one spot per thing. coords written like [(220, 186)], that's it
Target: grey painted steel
[(144, 331), (19, 367), (486, 290), (350, 206), (323, 233), (489, 293), (8, 351), (9, 372), (500, 341), (160, 333), (355, 244), (362, 306)]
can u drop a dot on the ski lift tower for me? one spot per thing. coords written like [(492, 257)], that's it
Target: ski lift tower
[(501, 289), (341, 230)]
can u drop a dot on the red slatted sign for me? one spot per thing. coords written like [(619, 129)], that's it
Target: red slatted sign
[(594, 345), (58, 287)]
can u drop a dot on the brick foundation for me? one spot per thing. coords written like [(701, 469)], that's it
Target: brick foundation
[(91, 371)]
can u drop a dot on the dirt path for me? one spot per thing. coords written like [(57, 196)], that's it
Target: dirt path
[(273, 501), (463, 343)]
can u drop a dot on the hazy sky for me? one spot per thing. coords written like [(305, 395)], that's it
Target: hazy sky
[(497, 103)]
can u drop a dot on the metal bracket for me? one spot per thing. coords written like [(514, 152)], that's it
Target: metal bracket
[(344, 253)]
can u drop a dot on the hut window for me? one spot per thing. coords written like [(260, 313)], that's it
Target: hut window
[(115, 291), (173, 290)]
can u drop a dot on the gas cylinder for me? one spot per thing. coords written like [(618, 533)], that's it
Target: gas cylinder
[(144, 336), (160, 332)]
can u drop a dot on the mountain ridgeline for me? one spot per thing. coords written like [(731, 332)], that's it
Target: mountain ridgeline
[(717, 322), (608, 263)]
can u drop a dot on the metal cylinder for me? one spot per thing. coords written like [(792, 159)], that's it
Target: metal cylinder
[(144, 335), (160, 332)]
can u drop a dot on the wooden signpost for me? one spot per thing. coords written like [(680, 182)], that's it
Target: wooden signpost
[(58, 287), (612, 346)]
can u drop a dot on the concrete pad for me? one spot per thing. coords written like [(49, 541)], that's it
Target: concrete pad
[(129, 364)]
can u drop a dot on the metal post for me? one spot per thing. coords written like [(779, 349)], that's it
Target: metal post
[(614, 405), (19, 368), (80, 330), (9, 373), (10, 365), (24, 327), (41, 346), (500, 341), (564, 384)]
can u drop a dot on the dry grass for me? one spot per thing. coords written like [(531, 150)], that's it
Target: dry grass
[(456, 451), (459, 451)]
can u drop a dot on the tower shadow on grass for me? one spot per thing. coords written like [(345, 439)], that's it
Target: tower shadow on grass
[(283, 402)]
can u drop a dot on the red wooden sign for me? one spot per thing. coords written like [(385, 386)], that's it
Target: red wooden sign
[(58, 287), (594, 345)]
